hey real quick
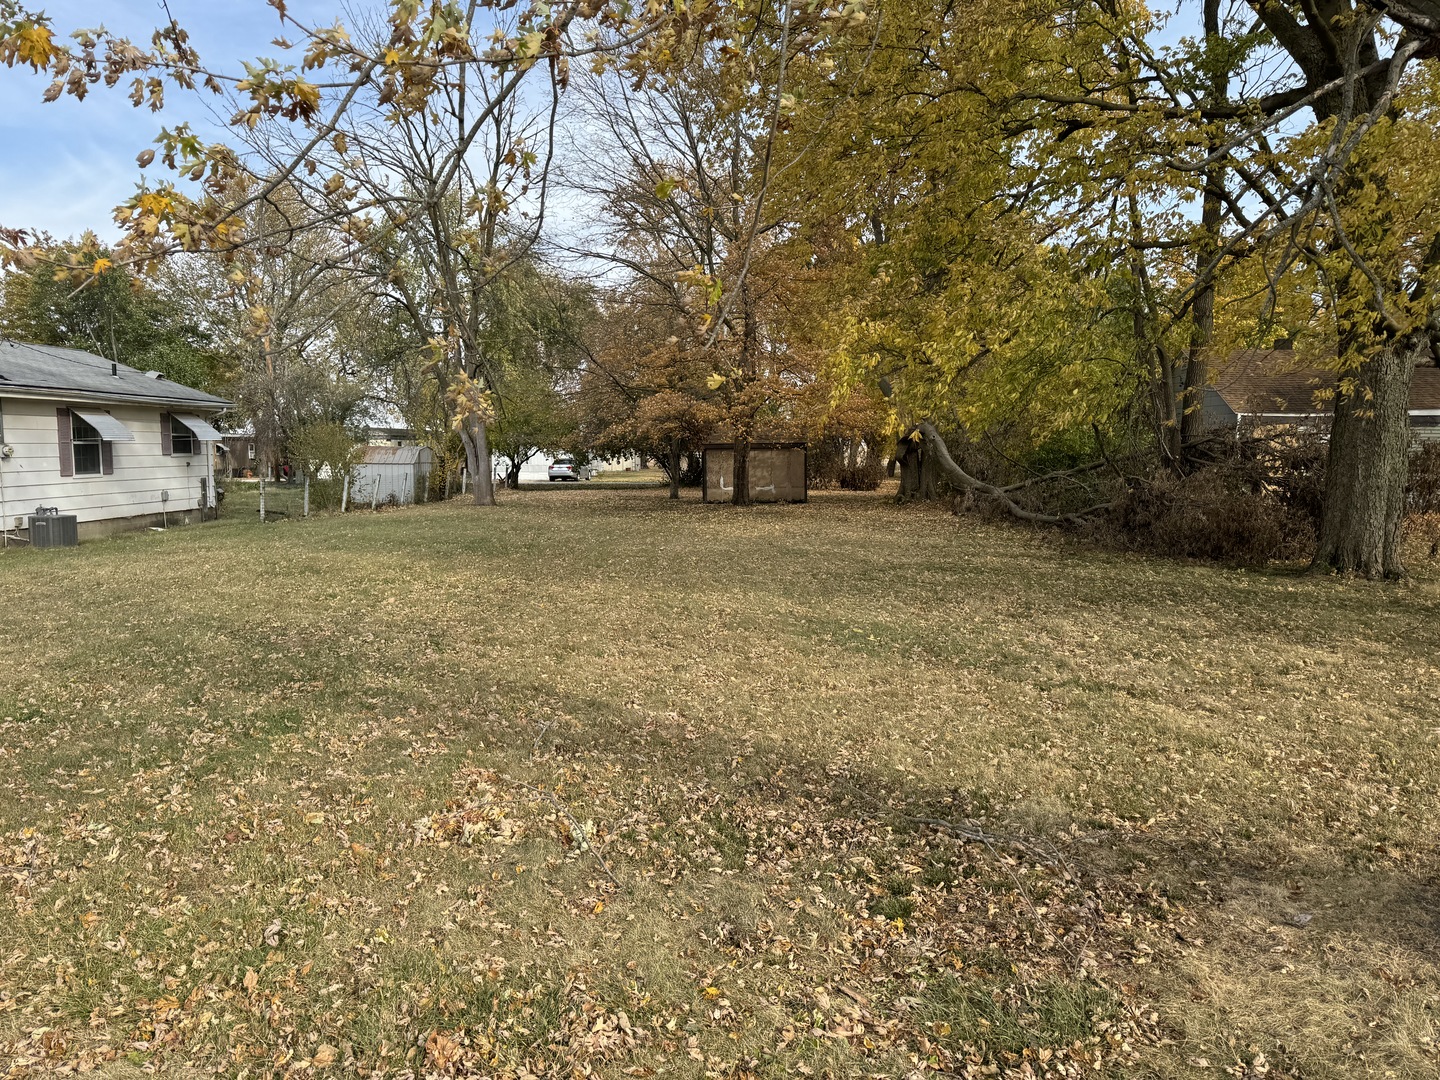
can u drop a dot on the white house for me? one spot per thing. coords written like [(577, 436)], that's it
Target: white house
[(114, 446)]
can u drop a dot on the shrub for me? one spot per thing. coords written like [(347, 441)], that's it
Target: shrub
[(1258, 503), (1422, 494), (863, 477), (836, 462), (1208, 515)]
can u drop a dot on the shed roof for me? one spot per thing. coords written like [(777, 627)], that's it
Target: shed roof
[(723, 436), (1276, 382), (51, 371), (394, 455)]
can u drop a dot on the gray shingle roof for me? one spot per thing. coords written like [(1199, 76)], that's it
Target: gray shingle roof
[(50, 371)]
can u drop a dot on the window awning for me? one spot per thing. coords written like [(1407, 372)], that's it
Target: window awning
[(110, 429), (203, 431)]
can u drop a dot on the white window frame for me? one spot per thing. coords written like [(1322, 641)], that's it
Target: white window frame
[(180, 434), (79, 425)]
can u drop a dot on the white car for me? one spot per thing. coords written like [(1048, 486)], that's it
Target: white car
[(565, 469)]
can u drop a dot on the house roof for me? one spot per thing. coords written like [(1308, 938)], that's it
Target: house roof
[(1274, 382), (394, 455), (50, 371)]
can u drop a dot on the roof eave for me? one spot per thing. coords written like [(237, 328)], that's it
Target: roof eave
[(42, 393)]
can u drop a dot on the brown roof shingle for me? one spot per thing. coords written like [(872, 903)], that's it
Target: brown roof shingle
[(1277, 381)]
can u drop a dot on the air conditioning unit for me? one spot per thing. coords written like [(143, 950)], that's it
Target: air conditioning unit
[(54, 530)]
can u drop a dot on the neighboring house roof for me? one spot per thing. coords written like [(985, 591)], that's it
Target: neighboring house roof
[(50, 371), (1276, 382), (394, 455)]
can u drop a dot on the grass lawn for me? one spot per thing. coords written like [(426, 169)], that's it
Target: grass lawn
[(596, 784)]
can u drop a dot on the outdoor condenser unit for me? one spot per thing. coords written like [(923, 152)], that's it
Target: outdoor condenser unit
[(53, 530)]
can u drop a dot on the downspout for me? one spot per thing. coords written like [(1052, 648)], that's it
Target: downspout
[(4, 520), (209, 481)]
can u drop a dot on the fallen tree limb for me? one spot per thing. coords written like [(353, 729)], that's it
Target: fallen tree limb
[(961, 479), (1058, 474), (971, 832), (576, 829)]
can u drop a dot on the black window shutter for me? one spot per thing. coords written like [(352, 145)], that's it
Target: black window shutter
[(167, 441), (67, 455), (107, 457)]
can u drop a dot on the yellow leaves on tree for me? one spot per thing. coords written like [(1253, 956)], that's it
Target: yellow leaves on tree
[(469, 401), (27, 42)]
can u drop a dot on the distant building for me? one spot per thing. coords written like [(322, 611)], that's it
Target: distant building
[(113, 446), (1274, 387), (391, 436), (239, 454)]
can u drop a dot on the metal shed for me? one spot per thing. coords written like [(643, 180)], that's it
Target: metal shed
[(393, 475), (777, 472)]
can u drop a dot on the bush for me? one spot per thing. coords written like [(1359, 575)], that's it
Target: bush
[(1260, 503), (325, 494), (863, 477), (1207, 515), (1422, 494)]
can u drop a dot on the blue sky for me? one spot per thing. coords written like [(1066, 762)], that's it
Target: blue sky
[(67, 164)]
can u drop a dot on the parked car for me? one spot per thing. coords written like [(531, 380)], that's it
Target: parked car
[(565, 469)]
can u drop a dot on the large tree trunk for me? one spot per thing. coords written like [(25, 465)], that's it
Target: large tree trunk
[(485, 474), (674, 468), (1369, 439), (911, 455), (740, 496), (1366, 472), (929, 477), (1197, 364), (476, 439)]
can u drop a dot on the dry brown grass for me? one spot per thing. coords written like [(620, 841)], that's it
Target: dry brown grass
[(268, 801)]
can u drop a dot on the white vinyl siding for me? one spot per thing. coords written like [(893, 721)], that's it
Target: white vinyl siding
[(32, 476)]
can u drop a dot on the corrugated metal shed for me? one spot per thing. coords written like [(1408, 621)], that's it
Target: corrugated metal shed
[(393, 475), (396, 455)]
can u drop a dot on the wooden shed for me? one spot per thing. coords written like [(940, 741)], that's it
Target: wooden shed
[(777, 471)]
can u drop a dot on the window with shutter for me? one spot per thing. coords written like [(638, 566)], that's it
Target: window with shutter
[(182, 439), (85, 448)]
